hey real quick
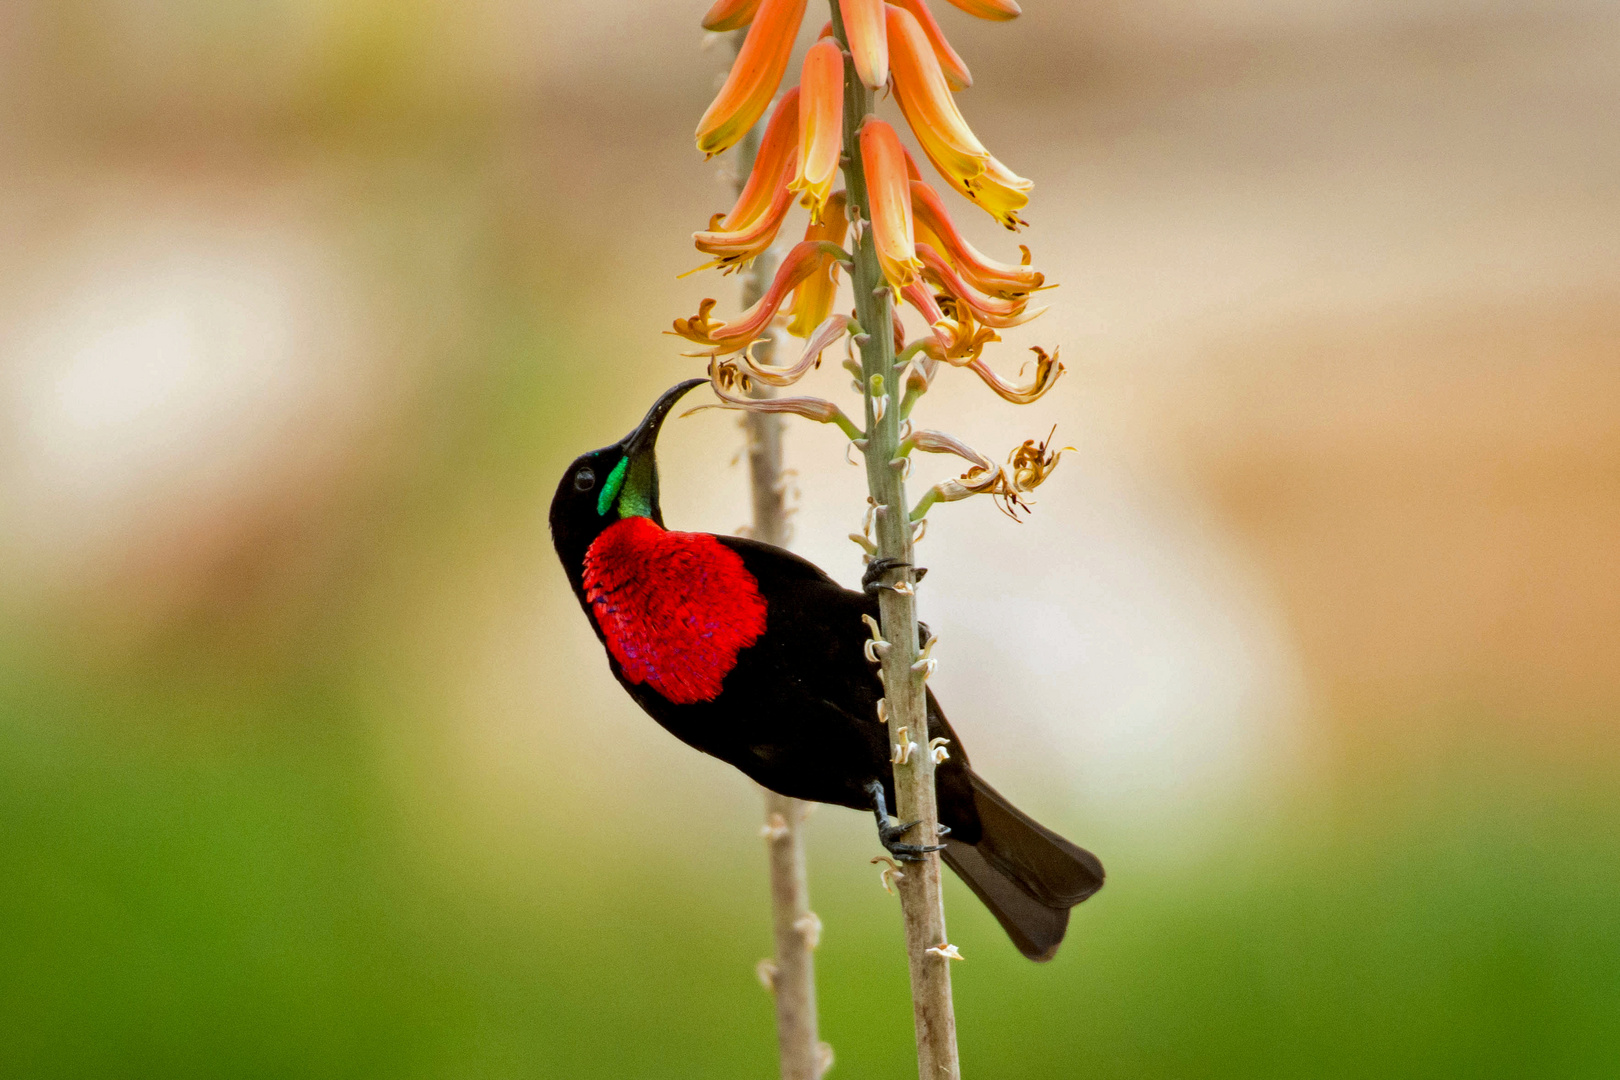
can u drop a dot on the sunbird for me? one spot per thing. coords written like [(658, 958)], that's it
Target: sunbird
[(755, 656)]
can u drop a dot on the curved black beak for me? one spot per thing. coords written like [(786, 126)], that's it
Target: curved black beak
[(645, 435)]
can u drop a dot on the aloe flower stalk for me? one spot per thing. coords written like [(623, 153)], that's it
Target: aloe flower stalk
[(891, 234)]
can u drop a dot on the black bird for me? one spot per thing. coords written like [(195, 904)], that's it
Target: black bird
[(751, 654)]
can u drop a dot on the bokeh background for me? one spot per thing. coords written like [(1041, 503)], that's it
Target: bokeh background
[(310, 766)]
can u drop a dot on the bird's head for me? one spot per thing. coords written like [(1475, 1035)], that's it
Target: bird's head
[(615, 482)]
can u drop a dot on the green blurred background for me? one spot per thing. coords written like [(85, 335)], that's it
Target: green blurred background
[(310, 766)]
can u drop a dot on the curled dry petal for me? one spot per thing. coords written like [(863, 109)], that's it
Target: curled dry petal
[(813, 299), (868, 36), (799, 264), (958, 337), (1029, 465), (932, 224), (956, 72), (1047, 371), (754, 76), (1027, 468), (824, 336), (730, 15), (889, 192), (939, 442), (994, 10), (725, 379), (821, 124)]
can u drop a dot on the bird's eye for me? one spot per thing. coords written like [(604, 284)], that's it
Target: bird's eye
[(585, 479)]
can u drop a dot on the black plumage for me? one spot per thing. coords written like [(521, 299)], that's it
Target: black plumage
[(798, 710)]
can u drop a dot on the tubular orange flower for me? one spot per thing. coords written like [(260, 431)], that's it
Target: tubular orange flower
[(889, 193), (734, 250), (799, 264), (775, 152), (754, 77), (730, 15), (925, 99), (864, 26), (821, 124), (813, 299), (933, 225), (956, 72), (994, 10), (735, 239)]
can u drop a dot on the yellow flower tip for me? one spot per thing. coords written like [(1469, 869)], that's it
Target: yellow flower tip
[(729, 15), (754, 76), (956, 72), (867, 31), (994, 10), (821, 119), (889, 192), (699, 328)]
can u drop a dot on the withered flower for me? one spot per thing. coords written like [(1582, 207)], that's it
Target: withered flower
[(725, 378), (1047, 371)]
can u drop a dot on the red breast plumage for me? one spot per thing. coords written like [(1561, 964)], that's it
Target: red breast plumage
[(676, 608)]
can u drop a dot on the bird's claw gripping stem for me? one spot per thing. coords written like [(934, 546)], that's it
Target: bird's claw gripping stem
[(870, 581), (889, 833)]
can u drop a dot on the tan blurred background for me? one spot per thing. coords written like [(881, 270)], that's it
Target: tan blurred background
[(305, 304)]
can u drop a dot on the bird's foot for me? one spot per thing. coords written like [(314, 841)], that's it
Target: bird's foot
[(871, 580), (889, 832)]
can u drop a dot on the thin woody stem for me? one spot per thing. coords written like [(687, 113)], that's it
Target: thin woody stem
[(793, 925), (921, 896)]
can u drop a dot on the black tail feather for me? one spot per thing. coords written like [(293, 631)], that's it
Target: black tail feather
[(1026, 874)]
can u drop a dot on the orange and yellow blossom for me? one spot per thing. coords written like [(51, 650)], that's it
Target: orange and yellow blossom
[(802, 261), (956, 72), (925, 98), (730, 15), (888, 190), (865, 29), (995, 10), (932, 224), (754, 77), (735, 239), (821, 124), (813, 299)]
